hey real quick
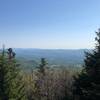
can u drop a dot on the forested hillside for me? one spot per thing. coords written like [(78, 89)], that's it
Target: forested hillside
[(30, 58), (27, 74), (54, 56)]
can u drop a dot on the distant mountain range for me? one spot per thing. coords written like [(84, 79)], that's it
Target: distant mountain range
[(31, 57)]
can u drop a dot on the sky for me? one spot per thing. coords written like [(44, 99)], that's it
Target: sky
[(49, 24)]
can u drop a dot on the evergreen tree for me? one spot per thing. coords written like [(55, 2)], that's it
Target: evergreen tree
[(42, 67), (11, 86), (39, 94), (87, 84)]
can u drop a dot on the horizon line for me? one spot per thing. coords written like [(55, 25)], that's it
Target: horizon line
[(49, 48)]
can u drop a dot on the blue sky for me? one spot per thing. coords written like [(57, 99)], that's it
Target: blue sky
[(60, 24)]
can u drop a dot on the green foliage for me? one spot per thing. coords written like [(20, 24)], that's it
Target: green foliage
[(42, 66), (87, 84), (45, 83), (11, 86)]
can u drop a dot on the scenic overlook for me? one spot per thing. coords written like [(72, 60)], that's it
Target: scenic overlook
[(49, 50)]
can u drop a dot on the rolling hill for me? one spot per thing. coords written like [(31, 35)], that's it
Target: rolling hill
[(30, 58)]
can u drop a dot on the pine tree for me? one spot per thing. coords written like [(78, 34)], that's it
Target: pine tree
[(11, 86), (39, 82), (42, 67), (87, 84)]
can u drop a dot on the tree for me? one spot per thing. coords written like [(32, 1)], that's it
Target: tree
[(41, 68), (87, 84), (51, 83), (40, 79), (11, 86)]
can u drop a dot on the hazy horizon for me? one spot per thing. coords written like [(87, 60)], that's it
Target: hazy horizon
[(48, 48), (49, 24)]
